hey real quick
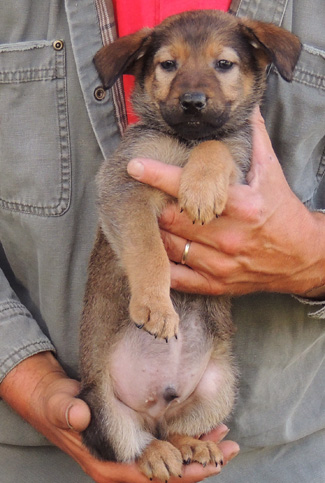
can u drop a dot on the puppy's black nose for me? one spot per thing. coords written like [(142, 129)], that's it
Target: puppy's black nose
[(193, 101)]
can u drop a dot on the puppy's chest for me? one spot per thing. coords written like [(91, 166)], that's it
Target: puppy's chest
[(141, 141)]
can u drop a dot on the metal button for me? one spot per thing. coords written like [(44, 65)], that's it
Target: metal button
[(58, 45), (100, 93)]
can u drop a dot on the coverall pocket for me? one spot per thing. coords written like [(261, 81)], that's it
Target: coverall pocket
[(35, 165)]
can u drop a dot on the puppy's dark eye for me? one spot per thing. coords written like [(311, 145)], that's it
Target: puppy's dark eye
[(169, 65), (224, 64)]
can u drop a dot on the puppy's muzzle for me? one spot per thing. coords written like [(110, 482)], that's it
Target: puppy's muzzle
[(193, 102)]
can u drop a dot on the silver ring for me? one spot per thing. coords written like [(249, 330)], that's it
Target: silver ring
[(185, 252)]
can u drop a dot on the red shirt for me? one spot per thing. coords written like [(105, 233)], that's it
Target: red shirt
[(132, 15)]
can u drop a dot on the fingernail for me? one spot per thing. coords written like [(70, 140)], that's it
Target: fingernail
[(235, 453), (224, 434), (67, 418), (135, 168)]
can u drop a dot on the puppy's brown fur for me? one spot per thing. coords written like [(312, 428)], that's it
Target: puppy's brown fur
[(198, 77)]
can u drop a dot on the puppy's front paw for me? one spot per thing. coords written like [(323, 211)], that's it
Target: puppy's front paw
[(155, 315), (205, 181), (192, 449), (203, 198), (160, 460)]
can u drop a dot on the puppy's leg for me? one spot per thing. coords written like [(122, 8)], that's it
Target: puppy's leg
[(210, 403), (205, 180), (146, 264), (116, 432)]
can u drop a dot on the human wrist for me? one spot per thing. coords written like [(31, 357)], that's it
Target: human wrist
[(23, 383), (314, 279)]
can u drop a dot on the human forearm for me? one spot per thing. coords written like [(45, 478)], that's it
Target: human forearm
[(29, 387), (317, 290), (20, 334)]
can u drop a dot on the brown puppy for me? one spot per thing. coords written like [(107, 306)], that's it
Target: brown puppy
[(198, 77)]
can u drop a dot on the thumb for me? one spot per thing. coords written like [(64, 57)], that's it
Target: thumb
[(160, 175), (65, 410), (77, 415), (263, 155)]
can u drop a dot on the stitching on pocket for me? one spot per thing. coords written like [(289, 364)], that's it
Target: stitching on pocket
[(26, 75), (310, 68), (309, 78)]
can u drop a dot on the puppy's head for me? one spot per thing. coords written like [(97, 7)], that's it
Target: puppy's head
[(199, 74)]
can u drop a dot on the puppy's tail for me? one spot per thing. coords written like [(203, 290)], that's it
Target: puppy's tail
[(94, 436)]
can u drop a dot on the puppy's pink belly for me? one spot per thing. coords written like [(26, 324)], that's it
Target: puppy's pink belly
[(151, 376)]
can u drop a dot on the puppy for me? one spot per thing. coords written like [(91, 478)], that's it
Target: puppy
[(199, 76)]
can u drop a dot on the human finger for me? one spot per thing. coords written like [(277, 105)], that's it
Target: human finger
[(159, 175), (195, 472), (265, 164), (178, 223), (230, 449), (198, 256), (262, 144), (217, 434)]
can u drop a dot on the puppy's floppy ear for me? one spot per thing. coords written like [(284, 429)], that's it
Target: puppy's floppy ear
[(120, 57), (280, 46)]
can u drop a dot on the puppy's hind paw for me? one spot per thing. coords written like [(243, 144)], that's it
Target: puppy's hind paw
[(192, 449), (160, 460)]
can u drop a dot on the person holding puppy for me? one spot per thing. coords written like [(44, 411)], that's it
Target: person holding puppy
[(266, 241)]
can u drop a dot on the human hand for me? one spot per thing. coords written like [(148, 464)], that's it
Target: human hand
[(39, 390), (265, 240)]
